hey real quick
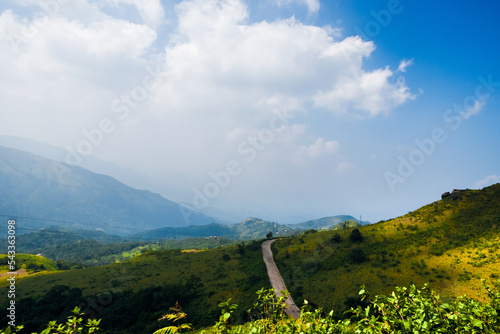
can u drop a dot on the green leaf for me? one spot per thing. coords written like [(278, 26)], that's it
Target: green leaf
[(477, 323)]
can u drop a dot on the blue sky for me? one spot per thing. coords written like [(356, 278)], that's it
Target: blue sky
[(282, 109)]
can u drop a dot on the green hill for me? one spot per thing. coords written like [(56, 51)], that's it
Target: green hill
[(451, 243), (327, 223), (131, 296), (30, 263)]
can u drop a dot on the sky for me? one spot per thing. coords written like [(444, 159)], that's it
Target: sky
[(286, 110)]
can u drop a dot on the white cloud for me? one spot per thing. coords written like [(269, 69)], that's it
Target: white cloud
[(109, 37), (312, 5), (216, 48), (404, 64), (487, 181), (224, 78), (62, 74), (368, 93), (473, 110), (319, 148)]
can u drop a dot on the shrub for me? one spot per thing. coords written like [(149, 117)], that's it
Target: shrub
[(356, 236), (357, 256), (335, 239)]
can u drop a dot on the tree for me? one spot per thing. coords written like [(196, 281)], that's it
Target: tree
[(194, 284), (74, 325), (269, 235), (336, 238), (356, 236), (357, 256)]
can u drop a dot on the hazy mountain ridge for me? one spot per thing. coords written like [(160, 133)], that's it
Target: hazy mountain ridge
[(249, 228), (326, 222), (41, 188)]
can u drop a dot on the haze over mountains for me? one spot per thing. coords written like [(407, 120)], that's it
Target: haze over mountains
[(41, 188), (48, 192)]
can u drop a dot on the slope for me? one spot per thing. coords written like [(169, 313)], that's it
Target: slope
[(49, 190), (452, 244), (131, 296)]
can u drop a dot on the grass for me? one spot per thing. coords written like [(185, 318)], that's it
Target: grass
[(31, 263), (449, 243), (145, 284)]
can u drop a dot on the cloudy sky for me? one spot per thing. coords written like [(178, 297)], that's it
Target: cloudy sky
[(281, 109)]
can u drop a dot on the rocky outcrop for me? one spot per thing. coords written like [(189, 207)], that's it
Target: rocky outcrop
[(454, 195)]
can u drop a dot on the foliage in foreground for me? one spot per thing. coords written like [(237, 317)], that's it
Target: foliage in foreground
[(406, 310), (74, 325)]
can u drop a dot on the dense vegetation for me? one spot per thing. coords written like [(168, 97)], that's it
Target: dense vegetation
[(406, 310), (78, 248), (30, 263), (130, 296), (450, 244), (85, 248)]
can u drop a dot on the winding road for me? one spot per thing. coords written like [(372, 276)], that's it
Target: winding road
[(276, 280)]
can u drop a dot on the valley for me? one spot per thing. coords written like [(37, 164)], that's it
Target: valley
[(452, 245)]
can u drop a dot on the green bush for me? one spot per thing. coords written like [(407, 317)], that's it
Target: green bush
[(357, 256), (406, 310), (74, 325), (356, 236)]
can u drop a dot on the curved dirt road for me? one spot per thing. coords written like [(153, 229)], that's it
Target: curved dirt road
[(276, 280)]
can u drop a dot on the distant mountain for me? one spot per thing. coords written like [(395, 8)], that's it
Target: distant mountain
[(326, 223), (250, 228), (47, 192), (125, 175), (256, 228)]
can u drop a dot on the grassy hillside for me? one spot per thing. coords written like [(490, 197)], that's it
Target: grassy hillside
[(131, 296), (30, 263), (451, 243)]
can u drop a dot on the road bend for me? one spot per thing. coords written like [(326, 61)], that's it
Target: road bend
[(276, 280)]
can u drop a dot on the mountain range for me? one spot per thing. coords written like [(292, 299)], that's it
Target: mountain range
[(41, 192), (251, 228)]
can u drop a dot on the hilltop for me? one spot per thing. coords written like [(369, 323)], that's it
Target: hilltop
[(452, 244), (250, 228), (327, 223)]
